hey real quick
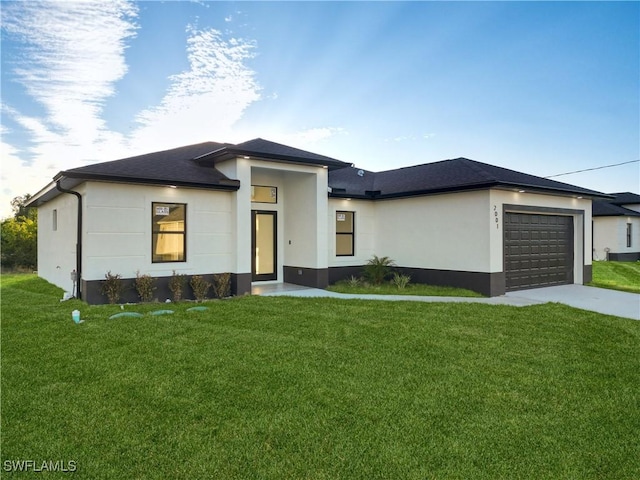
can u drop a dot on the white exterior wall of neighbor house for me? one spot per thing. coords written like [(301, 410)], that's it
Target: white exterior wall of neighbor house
[(364, 228), (581, 237), (611, 233), (57, 243), (117, 225), (446, 231)]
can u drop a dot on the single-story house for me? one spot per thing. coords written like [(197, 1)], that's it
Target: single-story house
[(616, 228), (267, 212)]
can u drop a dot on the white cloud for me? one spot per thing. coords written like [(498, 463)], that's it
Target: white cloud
[(74, 54), (204, 102)]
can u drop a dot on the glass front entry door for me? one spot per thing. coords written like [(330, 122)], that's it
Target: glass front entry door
[(263, 245)]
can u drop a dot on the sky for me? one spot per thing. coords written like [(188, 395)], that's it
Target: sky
[(539, 87)]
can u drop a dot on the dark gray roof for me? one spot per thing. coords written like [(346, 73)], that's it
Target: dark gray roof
[(614, 207), (607, 209), (443, 176), (267, 150), (174, 167), (625, 198)]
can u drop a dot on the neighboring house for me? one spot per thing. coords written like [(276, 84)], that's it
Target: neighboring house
[(266, 212), (616, 228)]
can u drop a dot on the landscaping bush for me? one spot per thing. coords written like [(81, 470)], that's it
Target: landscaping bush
[(177, 283), (200, 287), (145, 286), (400, 281), (378, 269), (112, 286), (222, 285)]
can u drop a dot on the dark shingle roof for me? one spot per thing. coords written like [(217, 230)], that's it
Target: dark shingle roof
[(175, 166), (443, 176), (607, 209), (614, 207), (625, 198), (267, 150)]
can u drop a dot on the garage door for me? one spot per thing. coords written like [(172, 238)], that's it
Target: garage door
[(538, 250)]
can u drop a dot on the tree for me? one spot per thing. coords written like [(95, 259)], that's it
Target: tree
[(19, 236), (19, 210)]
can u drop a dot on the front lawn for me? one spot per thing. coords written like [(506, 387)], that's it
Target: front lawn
[(388, 288), (623, 276), (290, 388)]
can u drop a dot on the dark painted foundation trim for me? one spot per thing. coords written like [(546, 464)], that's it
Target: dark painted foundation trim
[(92, 289), (489, 284), (624, 257), (587, 273), (309, 277)]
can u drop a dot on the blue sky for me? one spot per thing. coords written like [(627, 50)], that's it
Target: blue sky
[(540, 87)]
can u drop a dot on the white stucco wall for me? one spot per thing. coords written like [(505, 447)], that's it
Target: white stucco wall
[(456, 231), (365, 222), (447, 231), (301, 211), (611, 232), (57, 248), (117, 225)]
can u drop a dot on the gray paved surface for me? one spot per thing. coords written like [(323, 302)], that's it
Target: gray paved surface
[(609, 302)]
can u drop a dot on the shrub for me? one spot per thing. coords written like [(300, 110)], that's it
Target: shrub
[(176, 285), (353, 281), (222, 285), (200, 287), (145, 285), (400, 281), (378, 269), (112, 286)]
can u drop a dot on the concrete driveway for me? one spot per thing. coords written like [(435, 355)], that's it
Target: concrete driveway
[(609, 302), (601, 300)]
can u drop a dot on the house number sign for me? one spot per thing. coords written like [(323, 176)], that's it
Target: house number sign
[(495, 216)]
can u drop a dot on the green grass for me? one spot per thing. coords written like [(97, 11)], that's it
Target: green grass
[(623, 276), (287, 388), (411, 289)]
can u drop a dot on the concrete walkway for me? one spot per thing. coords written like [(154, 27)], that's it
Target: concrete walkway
[(609, 302)]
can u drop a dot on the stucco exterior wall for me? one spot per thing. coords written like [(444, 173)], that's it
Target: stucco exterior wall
[(57, 248), (446, 232), (364, 228), (611, 232), (117, 226)]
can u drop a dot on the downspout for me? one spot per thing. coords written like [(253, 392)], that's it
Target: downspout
[(78, 239)]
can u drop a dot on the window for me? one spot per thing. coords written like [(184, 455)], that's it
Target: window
[(629, 239), (54, 220), (344, 233), (263, 194), (168, 243)]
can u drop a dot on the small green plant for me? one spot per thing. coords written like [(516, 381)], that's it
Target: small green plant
[(353, 281), (145, 286), (112, 287), (177, 283), (400, 281), (200, 287), (378, 269), (222, 285)]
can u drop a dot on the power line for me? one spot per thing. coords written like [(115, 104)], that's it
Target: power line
[(594, 168)]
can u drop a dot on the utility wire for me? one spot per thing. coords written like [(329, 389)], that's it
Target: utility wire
[(594, 168)]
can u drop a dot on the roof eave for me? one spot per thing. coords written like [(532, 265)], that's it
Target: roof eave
[(227, 153), (222, 185)]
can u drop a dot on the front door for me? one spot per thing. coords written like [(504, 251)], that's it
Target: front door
[(263, 245)]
